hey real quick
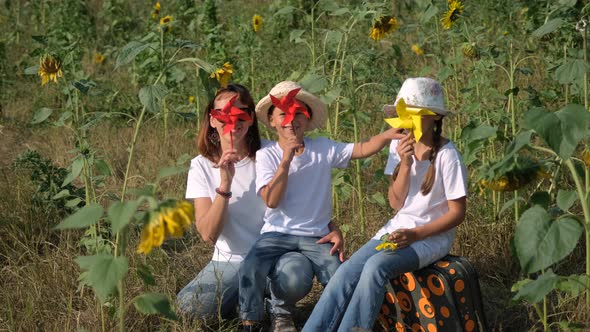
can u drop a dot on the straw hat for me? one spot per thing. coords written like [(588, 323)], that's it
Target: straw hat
[(318, 108), (421, 92)]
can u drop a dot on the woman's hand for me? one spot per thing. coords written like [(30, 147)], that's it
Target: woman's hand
[(227, 169), (336, 238), (405, 149), (404, 237)]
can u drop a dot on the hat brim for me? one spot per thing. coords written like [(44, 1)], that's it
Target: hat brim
[(318, 109)]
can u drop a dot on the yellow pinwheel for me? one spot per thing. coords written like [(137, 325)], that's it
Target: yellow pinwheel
[(409, 118)]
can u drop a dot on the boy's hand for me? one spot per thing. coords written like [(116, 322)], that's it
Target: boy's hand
[(405, 149), (289, 149), (404, 237), (336, 238)]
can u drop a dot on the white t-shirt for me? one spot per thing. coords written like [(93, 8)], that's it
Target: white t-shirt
[(245, 209), (306, 206), (450, 183)]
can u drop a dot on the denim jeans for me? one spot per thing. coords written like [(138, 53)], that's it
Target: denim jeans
[(263, 256), (354, 295), (214, 291)]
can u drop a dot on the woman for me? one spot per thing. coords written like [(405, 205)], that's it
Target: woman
[(229, 214)]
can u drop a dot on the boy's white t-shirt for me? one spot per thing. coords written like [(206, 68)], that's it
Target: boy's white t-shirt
[(245, 209), (450, 183), (306, 206)]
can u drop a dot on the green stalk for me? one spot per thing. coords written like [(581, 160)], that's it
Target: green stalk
[(582, 195), (312, 36), (359, 188), (585, 40)]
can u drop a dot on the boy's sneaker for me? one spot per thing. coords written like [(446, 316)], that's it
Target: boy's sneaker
[(282, 323)]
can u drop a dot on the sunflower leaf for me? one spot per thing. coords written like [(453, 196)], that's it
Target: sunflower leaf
[(154, 303), (121, 213), (86, 216), (549, 27), (41, 115), (129, 52), (566, 198), (534, 291), (104, 272), (151, 95)]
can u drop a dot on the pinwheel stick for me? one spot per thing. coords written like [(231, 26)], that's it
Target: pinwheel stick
[(231, 140)]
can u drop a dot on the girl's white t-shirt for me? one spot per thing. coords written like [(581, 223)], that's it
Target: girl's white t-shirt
[(450, 183), (306, 206), (245, 209)]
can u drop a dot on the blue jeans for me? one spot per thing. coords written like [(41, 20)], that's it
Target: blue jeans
[(214, 291), (263, 256), (354, 296)]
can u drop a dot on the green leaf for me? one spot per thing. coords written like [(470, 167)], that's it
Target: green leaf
[(287, 10), (77, 166), (120, 214), (340, 11), (202, 64), (549, 27), (151, 95), (143, 271), (154, 303), (379, 199), (295, 35), (104, 272), (73, 202), (574, 285), (534, 291), (33, 70), (510, 203), (541, 241), (566, 198), (314, 83), (41, 115), (86, 216), (62, 194), (572, 70), (129, 52), (170, 171), (429, 13), (102, 167), (63, 118), (561, 130)]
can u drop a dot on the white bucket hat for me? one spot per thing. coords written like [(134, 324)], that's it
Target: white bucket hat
[(318, 108), (420, 92)]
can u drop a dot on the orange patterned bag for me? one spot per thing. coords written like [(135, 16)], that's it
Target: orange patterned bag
[(444, 296)]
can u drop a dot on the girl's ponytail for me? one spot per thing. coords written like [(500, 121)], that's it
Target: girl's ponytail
[(431, 173)]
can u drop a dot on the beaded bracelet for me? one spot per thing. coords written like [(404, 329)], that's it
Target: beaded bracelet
[(223, 194)]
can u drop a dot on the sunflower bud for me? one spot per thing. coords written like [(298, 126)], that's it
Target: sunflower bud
[(470, 50)]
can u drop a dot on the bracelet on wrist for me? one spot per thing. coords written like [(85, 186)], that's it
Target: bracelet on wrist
[(223, 193)]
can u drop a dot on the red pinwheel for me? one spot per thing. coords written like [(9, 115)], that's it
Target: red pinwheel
[(230, 115), (289, 105)]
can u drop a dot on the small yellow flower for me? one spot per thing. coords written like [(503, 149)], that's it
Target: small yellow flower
[(167, 222), (166, 20), (98, 58), (223, 74), (452, 15), (382, 26), (156, 12), (191, 99), (257, 23), (417, 50), (385, 245), (49, 69)]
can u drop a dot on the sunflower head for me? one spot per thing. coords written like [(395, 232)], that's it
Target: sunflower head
[(256, 23), (191, 99), (223, 74), (156, 12), (49, 69), (417, 49), (98, 58), (452, 14), (166, 20), (170, 220), (382, 26)]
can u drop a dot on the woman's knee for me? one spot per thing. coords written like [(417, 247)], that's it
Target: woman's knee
[(292, 277)]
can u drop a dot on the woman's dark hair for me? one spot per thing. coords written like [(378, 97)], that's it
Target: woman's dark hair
[(208, 138), (428, 181)]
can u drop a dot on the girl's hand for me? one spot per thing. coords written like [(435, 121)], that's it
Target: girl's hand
[(227, 168), (404, 237), (405, 149)]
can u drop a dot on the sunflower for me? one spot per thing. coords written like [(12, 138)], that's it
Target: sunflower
[(49, 69), (517, 178), (223, 74), (586, 156), (385, 243), (382, 26), (156, 12), (257, 23), (98, 58), (166, 20), (191, 99), (169, 221), (470, 50), (452, 15), (417, 50)]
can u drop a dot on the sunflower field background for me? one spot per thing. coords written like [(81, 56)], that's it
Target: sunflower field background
[(100, 101)]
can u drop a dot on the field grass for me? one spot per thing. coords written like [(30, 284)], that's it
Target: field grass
[(39, 288)]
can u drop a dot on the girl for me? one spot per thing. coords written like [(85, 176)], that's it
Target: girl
[(428, 189), (229, 213)]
